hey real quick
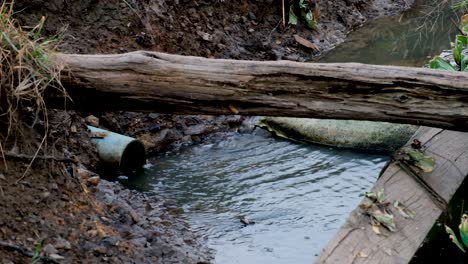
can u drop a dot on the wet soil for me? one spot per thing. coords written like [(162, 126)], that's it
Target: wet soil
[(60, 202), (243, 29)]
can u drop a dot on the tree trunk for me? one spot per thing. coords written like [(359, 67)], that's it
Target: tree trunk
[(157, 82)]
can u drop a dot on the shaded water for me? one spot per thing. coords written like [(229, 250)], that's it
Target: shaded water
[(408, 39), (297, 194)]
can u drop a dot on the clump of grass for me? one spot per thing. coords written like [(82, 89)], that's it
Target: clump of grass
[(461, 5), (26, 72)]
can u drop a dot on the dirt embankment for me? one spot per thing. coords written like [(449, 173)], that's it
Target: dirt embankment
[(60, 203), (243, 29)]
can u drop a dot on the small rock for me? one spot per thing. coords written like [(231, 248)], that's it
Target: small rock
[(92, 120), (2, 177), (134, 215), (56, 257), (205, 36), (84, 173), (49, 249), (154, 115), (45, 195), (62, 243), (94, 180), (100, 250), (73, 129)]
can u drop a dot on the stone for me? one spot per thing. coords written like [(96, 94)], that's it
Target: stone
[(62, 243), (92, 121), (94, 180), (49, 249), (56, 257)]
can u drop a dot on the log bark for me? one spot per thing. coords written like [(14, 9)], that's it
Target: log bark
[(157, 82)]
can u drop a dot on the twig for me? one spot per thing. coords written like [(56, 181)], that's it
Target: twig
[(456, 25), (284, 15), (29, 157), (25, 252), (3, 156), (35, 155), (273, 30)]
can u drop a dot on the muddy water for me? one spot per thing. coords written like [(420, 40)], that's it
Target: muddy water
[(297, 195), (408, 39)]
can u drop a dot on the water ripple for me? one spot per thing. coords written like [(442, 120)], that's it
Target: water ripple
[(298, 195)]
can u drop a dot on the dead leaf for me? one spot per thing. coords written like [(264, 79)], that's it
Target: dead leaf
[(92, 120), (233, 109), (403, 210), (98, 134), (365, 206), (376, 228), (362, 255), (384, 218), (304, 42)]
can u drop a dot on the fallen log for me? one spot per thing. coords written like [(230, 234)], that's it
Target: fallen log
[(157, 82)]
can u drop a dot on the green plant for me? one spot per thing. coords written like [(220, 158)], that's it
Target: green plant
[(459, 51), (36, 254), (305, 11), (461, 5), (463, 230)]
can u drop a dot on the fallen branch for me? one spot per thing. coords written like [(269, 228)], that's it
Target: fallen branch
[(25, 252)]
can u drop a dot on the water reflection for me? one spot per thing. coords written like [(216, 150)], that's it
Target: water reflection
[(409, 39)]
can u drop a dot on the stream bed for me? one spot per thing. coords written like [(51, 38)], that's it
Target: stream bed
[(298, 195)]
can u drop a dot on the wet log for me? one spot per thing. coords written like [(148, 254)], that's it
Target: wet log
[(356, 242), (157, 82)]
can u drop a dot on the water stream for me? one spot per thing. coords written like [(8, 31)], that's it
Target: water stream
[(298, 195)]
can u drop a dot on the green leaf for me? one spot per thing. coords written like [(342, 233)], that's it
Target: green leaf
[(384, 219), (454, 239), (463, 228), (378, 197), (464, 60), (439, 64), (461, 42), (462, 39), (303, 5), (381, 196), (419, 159), (457, 53), (292, 16), (425, 163), (309, 17)]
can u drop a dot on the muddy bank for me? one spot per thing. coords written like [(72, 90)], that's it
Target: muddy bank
[(74, 216), (244, 29), (68, 210)]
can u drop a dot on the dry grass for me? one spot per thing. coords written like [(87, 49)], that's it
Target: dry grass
[(25, 74)]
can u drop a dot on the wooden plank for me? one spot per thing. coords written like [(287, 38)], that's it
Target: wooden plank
[(157, 82), (356, 242)]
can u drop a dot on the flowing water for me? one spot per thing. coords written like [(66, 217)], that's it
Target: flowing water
[(298, 195)]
